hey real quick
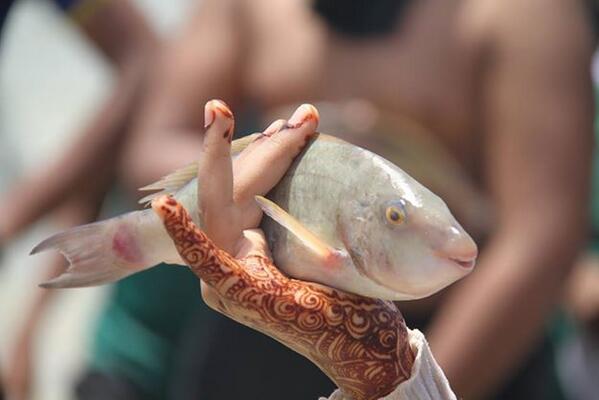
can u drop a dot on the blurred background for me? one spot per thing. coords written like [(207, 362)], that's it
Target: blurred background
[(98, 97), (41, 110)]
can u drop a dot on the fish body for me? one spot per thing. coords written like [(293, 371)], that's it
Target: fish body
[(340, 216)]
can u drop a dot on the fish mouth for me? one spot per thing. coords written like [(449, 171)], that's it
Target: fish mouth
[(466, 264)]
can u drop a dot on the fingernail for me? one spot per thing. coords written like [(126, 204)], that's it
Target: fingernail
[(210, 111), (303, 113), (209, 115)]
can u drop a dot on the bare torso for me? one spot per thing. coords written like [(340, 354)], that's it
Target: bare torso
[(425, 69)]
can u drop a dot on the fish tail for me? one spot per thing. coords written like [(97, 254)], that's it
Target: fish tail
[(100, 252)]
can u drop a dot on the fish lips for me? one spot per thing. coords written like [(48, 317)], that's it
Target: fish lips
[(450, 270)]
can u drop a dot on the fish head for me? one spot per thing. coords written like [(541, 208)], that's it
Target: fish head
[(404, 238)]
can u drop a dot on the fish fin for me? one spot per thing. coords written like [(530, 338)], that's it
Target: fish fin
[(240, 144), (321, 249), (171, 183), (174, 181), (90, 251)]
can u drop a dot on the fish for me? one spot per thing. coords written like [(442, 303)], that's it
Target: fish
[(341, 216)]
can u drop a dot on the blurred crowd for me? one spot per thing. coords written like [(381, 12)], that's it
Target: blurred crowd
[(488, 103)]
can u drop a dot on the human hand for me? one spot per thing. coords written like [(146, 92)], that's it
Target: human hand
[(360, 343)]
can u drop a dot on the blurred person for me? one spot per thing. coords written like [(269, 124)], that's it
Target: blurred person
[(511, 101), (121, 34)]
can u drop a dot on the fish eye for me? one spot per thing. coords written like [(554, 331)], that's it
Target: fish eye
[(395, 214)]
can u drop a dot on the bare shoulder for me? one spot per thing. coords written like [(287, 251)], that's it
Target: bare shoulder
[(552, 26)]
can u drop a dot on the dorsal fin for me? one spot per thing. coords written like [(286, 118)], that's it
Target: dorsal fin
[(171, 183)]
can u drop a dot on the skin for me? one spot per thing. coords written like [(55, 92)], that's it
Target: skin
[(121, 34), (503, 97), (360, 343)]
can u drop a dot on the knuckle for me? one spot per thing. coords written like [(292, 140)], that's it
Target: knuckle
[(279, 140)]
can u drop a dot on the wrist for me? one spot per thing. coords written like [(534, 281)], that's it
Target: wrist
[(426, 381), (391, 373)]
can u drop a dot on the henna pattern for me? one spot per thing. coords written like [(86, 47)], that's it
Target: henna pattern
[(360, 343)]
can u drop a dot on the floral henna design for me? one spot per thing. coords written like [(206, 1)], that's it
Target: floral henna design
[(360, 343)]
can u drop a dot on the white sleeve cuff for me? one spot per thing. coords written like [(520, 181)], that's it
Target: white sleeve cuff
[(427, 381)]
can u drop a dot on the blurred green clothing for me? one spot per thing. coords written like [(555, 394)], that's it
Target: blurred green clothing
[(140, 329)]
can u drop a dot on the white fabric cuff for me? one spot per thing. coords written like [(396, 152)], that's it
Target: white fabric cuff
[(427, 381)]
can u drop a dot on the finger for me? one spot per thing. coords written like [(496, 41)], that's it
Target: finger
[(215, 199), (267, 159)]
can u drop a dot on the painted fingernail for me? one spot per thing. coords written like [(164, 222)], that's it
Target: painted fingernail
[(304, 113), (211, 108)]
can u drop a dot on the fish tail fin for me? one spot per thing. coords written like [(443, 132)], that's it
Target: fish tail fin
[(100, 252)]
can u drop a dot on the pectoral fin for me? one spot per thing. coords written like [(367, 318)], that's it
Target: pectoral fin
[(328, 254)]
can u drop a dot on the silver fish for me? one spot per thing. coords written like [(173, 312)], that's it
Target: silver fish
[(341, 216)]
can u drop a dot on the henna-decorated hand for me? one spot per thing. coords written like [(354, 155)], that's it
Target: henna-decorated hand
[(360, 343)]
